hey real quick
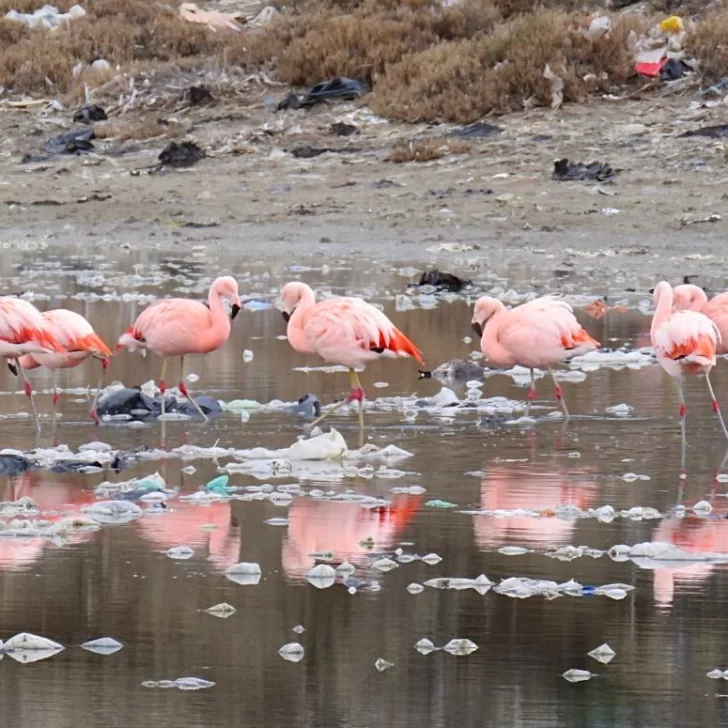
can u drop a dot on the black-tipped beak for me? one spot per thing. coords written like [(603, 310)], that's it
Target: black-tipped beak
[(478, 329), (651, 291), (13, 369), (234, 311), (424, 375), (286, 316)]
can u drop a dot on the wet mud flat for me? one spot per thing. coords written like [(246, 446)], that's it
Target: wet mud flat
[(273, 182)]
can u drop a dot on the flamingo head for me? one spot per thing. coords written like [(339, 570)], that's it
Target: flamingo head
[(485, 307), (688, 297), (291, 296), (227, 287)]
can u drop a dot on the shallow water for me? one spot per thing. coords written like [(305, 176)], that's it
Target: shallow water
[(119, 582)]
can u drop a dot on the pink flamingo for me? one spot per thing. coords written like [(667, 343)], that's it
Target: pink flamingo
[(80, 342), (539, 333), (342, 330), (24, 331), (180, 326), (685, 344), (689, 297)]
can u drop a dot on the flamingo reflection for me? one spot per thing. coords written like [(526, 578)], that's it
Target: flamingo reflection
[(316, 526), (57, 497), (523, 487), (695, 536)]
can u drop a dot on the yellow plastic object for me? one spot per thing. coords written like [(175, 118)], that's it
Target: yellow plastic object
[(673, 24)]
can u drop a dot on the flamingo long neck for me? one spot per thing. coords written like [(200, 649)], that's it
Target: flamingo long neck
[(495, 352), (663, 309), (294, 331), (220, 321)]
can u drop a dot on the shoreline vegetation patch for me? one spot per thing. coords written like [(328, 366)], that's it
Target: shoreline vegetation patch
[(425, 60)]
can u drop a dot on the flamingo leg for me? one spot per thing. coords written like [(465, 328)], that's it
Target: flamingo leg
[(162, 385), (186, 392), (559, 394), (99, 387), (55, 396), (716, 406), (683, 416), (356, 393), (29, 394), (531, 393)]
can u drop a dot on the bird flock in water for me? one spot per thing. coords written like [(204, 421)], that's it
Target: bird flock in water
[(687, 333)]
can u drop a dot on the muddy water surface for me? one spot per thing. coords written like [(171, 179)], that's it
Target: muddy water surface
[(118, 581)]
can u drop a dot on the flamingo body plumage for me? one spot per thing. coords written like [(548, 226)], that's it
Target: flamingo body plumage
[(181, 326), (536, 334), (342, 330), (23, 330), (685, 343), (689, 297), (78, 339)]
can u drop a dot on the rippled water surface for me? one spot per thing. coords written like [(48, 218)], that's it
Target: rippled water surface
[(474, 484)]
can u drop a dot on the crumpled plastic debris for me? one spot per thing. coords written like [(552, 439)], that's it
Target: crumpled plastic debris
[(604, 654), (335, 89), (48, 17), (26, 647), (244, 573), (222, 610), (213, 19), (566, 171), (293, 652), (574, 676), (103, 646), (182, 683)]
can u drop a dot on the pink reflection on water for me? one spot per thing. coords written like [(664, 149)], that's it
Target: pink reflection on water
[(57, 497), (316, 526), (523, 487)]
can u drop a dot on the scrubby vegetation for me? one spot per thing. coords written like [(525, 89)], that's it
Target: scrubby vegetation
[(425, 59)]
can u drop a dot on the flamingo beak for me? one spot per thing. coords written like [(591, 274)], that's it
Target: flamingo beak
[(424, 374), (13, 369), (286, 316), (234, 311), (478, 329)]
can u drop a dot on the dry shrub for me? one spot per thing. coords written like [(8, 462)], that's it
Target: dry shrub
[(30, 6), (707, 41), (464, 80), (425, 150), (320, 39), (118, 31)]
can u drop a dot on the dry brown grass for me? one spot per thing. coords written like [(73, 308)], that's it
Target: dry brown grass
[(120, 31), (464, 80), (425, 61), (708, 43), (425, 150)]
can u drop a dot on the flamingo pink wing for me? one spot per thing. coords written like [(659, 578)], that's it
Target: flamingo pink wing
[(352, 322), (21, 322)]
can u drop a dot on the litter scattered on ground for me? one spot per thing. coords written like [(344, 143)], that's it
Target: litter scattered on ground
[(180, 155), (566, 171), (90, 113), (335, 89)]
